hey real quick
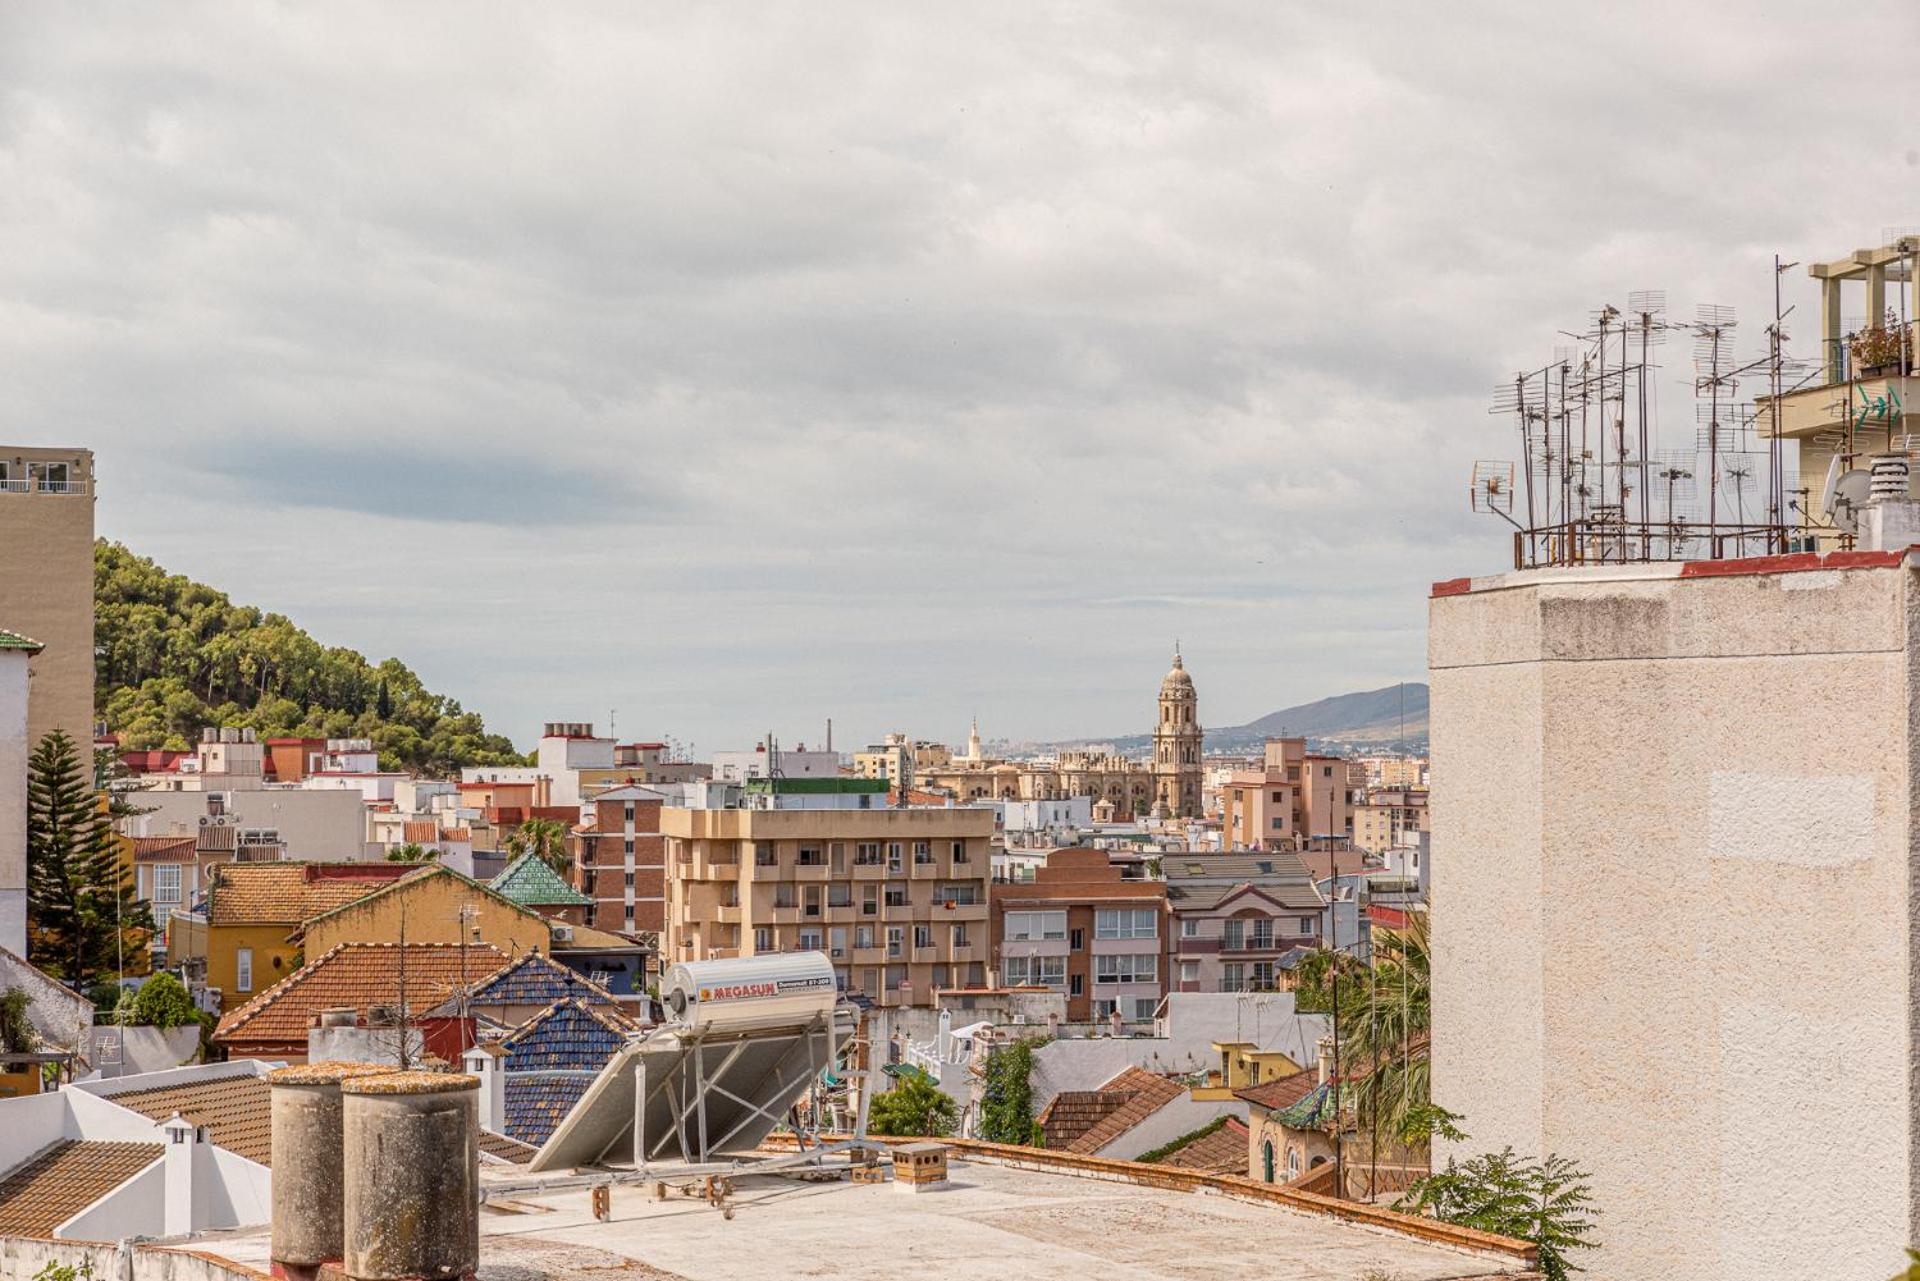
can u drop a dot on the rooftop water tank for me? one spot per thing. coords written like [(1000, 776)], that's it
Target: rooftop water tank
[(750, 993)]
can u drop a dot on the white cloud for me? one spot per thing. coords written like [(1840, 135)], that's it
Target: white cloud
[(740, 366)]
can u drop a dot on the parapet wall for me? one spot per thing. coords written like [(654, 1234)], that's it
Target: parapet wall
[(21, 1258)]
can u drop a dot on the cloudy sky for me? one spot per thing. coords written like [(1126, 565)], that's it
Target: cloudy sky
[(737, 366)]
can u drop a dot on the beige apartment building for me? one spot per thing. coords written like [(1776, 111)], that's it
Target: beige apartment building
[(46, 581), (1293, 798), (896, 898), (1389, 818)]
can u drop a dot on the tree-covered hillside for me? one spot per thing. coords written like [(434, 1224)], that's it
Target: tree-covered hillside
[(175, 655)]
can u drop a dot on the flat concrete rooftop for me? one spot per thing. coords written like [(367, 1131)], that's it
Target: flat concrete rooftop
[(991, 1222)]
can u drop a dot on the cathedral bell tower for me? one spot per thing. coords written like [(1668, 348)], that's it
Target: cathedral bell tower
[(1177, 739)]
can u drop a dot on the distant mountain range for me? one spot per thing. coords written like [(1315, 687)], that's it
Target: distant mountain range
[(1391, 715)]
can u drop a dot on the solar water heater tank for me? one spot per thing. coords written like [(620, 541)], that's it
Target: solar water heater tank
[(749, 993)]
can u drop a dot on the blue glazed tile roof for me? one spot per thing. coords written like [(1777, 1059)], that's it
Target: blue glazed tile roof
[(538, 1102), (538, 980), (568, 1035)]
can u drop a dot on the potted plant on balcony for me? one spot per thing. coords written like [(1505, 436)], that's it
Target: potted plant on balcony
[(1881, 349)]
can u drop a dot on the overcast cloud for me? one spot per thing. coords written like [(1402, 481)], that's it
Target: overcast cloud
[(737, 366)]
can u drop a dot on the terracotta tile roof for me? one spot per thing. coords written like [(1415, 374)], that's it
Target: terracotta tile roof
[(1146, 1093), (219, 838), (414, 876), (1071, 1113), (1283, 1093), (1084, 1121), (356, 976), (58, 1182), (422, 831), (233, 1108), (289, 893), (162, 847), (505, 1148), (1222, 1152)]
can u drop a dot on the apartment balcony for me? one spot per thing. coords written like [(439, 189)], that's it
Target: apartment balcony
[(726, 914), (927, 955), (1262, 947), (788, 915), (931, 871), (869, 956), (900, 913), (809, 873), (957, 912), (869, 871), (967, 953)]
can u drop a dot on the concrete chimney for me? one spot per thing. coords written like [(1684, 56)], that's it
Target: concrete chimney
[(308, 1179), (1325, 1048), (186, 1147), (487, 1063), (412, 1163), (1890, 521)]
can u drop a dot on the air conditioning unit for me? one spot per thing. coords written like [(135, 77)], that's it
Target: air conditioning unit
[(563, 934)]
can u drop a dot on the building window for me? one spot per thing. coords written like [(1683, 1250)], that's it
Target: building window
[(810, 938), (812, 856), (166, 883), (763, 855), (863, 936), (810, 900), (1126, 969), (959, 935), (1189, 971), (243, 969), (1029, 927), (840, 895), (1233, 977), (627, 811), (959, 851), (1190, 928), (1037, 971), (896, 895), (629, 879), (1233, 934), (1075, 986), (866, 854), (1308, 925), (896, 856), (923, 936), (960, 894), (1077, 940), (870, 900), (783, 895), (1263, 976), (1126, 923), (922, 852), (896, 940), (762, 939), (1263, 932)]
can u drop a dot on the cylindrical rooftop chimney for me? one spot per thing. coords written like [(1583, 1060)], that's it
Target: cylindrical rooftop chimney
[(307, 1170), (412, 1176)]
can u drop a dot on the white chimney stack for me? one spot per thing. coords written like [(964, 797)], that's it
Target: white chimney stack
[(1891, 520), (186, 1146), (484, 1063)]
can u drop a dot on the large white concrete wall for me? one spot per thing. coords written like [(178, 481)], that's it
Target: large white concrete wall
[(14, 750), (1673, 910)]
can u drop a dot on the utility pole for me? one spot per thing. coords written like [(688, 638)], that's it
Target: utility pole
[(1333, 968)]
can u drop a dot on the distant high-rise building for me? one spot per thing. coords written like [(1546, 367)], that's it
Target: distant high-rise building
[(46, 581)]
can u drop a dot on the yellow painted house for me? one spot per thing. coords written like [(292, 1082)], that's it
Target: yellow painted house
[(432, 905), (247, 940)]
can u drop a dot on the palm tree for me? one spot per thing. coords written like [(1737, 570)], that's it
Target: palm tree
[(410, 852), (1385, 1023), (546, 839)]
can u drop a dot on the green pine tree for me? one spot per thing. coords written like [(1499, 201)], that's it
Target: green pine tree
[(83, 912)]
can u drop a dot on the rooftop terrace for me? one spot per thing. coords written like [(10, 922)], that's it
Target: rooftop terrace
[(992, 1220)]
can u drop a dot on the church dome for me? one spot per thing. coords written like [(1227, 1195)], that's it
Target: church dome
[(1177, 680)]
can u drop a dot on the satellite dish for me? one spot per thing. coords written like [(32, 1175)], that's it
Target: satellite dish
[(1846, 495)]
